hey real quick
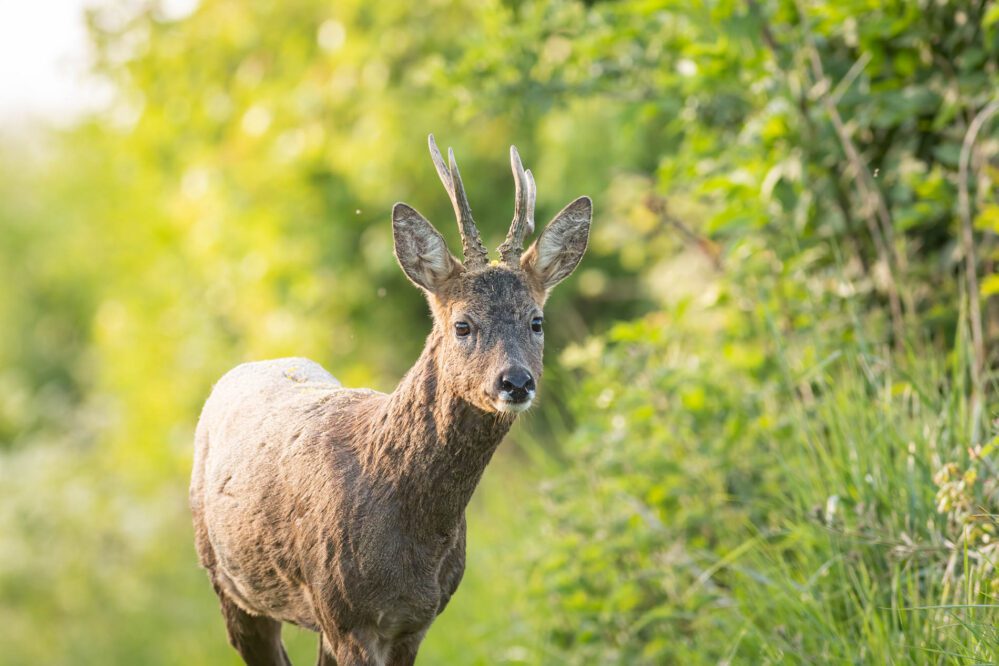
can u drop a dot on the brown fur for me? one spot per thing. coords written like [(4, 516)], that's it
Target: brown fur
[(342, 510)]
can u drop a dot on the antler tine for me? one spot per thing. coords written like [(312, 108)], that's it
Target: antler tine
[(530, 202), (441, 166), (471, 245), (523, 211)]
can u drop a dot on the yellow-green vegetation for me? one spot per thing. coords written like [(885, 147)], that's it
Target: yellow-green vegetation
[(767, 429)]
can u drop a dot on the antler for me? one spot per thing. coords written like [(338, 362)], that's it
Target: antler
[(523, 211), (471, 245)]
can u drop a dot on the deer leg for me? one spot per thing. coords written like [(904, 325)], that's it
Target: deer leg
[(327, 653), (359, 648), (256, 638), (403, 652)]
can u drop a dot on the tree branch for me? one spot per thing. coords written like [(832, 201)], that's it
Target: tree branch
[(879, 223), (970, 264), (657, 205)]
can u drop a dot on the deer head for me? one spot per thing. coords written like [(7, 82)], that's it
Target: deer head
[(488, 317)]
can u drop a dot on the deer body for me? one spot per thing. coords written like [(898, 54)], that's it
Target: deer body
[(319, 480), (342, 510)]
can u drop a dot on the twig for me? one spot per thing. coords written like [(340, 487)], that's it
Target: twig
[(865, 182), (880, 226), (970, 265), (768, 35), (657, 205), (842, 199), (880, 230), (850, 77)]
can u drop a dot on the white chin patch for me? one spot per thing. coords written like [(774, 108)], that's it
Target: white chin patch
[(506, 405)]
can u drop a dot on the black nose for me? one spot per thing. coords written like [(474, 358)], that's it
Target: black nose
[(516, 381)]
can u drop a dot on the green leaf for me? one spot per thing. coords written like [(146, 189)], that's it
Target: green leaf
[(989, 285), (991, 15)]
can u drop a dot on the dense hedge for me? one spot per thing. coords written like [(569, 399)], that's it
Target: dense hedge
[(721, 509)]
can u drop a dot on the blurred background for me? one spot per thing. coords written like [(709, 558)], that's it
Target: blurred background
[(767, 425)]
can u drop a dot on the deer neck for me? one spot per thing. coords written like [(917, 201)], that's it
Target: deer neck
[(432, 446)]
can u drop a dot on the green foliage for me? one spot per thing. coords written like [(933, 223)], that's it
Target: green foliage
[(757, 434), (732, 107), (719, 509)]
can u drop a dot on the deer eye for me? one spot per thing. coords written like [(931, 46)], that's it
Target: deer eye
[(461, 329), (536, 324)]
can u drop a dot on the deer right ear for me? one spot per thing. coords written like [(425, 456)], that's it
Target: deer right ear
[(558, 250), (421, 250)]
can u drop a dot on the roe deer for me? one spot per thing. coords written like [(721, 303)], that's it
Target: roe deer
[(343, 510)]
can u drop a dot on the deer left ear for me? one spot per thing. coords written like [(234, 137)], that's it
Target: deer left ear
[(421, 250), (559, 249)]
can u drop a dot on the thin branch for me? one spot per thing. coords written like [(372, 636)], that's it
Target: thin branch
[(970, 265), (880, 225), (880, 229), (657, 205), (850, 77), (768, 35), (865, 182), (835, 177)]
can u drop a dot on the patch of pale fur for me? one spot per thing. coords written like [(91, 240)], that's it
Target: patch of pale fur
[(513, 407)]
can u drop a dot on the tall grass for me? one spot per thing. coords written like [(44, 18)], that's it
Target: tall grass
[(875, 573), (815, 499)]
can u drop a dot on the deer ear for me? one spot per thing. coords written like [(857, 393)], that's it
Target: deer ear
[(421, 250), (561, 245)]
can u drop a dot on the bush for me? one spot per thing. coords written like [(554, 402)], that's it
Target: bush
[(724, 508)]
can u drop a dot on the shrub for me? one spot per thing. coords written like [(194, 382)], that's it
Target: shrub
[(726, 508)]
